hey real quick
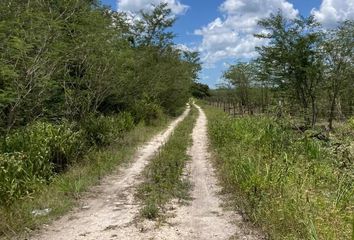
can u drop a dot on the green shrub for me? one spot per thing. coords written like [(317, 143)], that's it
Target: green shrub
[(102, 130), (46, 146), (16, 180), (123, 122), (33, 154), (146, 111), (351, 122)]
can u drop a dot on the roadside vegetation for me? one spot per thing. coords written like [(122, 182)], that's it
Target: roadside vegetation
[(47, 201), (163, 175), (291, 184), (284, 145), (305, 72), (77, 84)]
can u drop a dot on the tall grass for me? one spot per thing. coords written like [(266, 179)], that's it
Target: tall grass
[(35, 154), (61, 193), (289, 184), (163, 175)]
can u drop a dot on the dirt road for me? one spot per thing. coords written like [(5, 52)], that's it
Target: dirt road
[(204, 218), (113, 213), (112, 205)]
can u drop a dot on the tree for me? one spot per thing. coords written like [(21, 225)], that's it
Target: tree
[(339, 61), (74, 58), (200, 90), (161, 72), (150, 30), (241, 76), (295, 58)]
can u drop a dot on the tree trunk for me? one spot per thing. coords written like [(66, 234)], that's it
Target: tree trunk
[(331, 113), (306, 108), (339, 109), (313, 111)]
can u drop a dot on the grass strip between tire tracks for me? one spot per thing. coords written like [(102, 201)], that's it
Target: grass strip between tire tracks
[(163, 175)]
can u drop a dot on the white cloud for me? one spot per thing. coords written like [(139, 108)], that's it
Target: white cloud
[(231, 36), (204, 76), (333, 11), (257, 7), (184, 47), (136, 5)]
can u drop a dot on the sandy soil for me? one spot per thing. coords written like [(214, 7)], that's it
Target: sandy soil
[(112, 205), (114, 214)]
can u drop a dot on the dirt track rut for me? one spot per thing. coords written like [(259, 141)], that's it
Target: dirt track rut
[(113, 212), (204, 218), (112, 206)]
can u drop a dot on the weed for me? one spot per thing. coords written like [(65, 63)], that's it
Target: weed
[(33, 155), (163, 175)]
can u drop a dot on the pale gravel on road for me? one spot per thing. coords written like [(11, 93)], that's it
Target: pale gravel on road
[(204, 218), (112, 206), (113, 212)]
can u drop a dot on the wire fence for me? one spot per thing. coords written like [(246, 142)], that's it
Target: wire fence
[(235, 109)]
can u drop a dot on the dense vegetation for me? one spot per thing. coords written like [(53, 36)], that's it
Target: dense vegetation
[(304, 71), (200, 90), (20, 217), (75, 76), (291, 184)]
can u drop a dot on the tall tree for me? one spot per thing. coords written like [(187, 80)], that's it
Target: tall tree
[(151, 29), (73, 58), (339, 61), (295, 58), (241, 76)]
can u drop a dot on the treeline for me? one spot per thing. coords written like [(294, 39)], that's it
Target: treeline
[(304, 70), (69, 59), (74, 74)]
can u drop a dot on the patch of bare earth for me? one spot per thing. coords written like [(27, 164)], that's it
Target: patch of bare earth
[(111, 206)]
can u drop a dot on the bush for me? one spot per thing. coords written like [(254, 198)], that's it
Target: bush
[(351, 122), (33, 154), (102, 130), (16, 180), (146, 111), (46, 146)]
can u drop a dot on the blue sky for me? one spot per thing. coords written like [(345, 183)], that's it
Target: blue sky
[(222, 30)]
